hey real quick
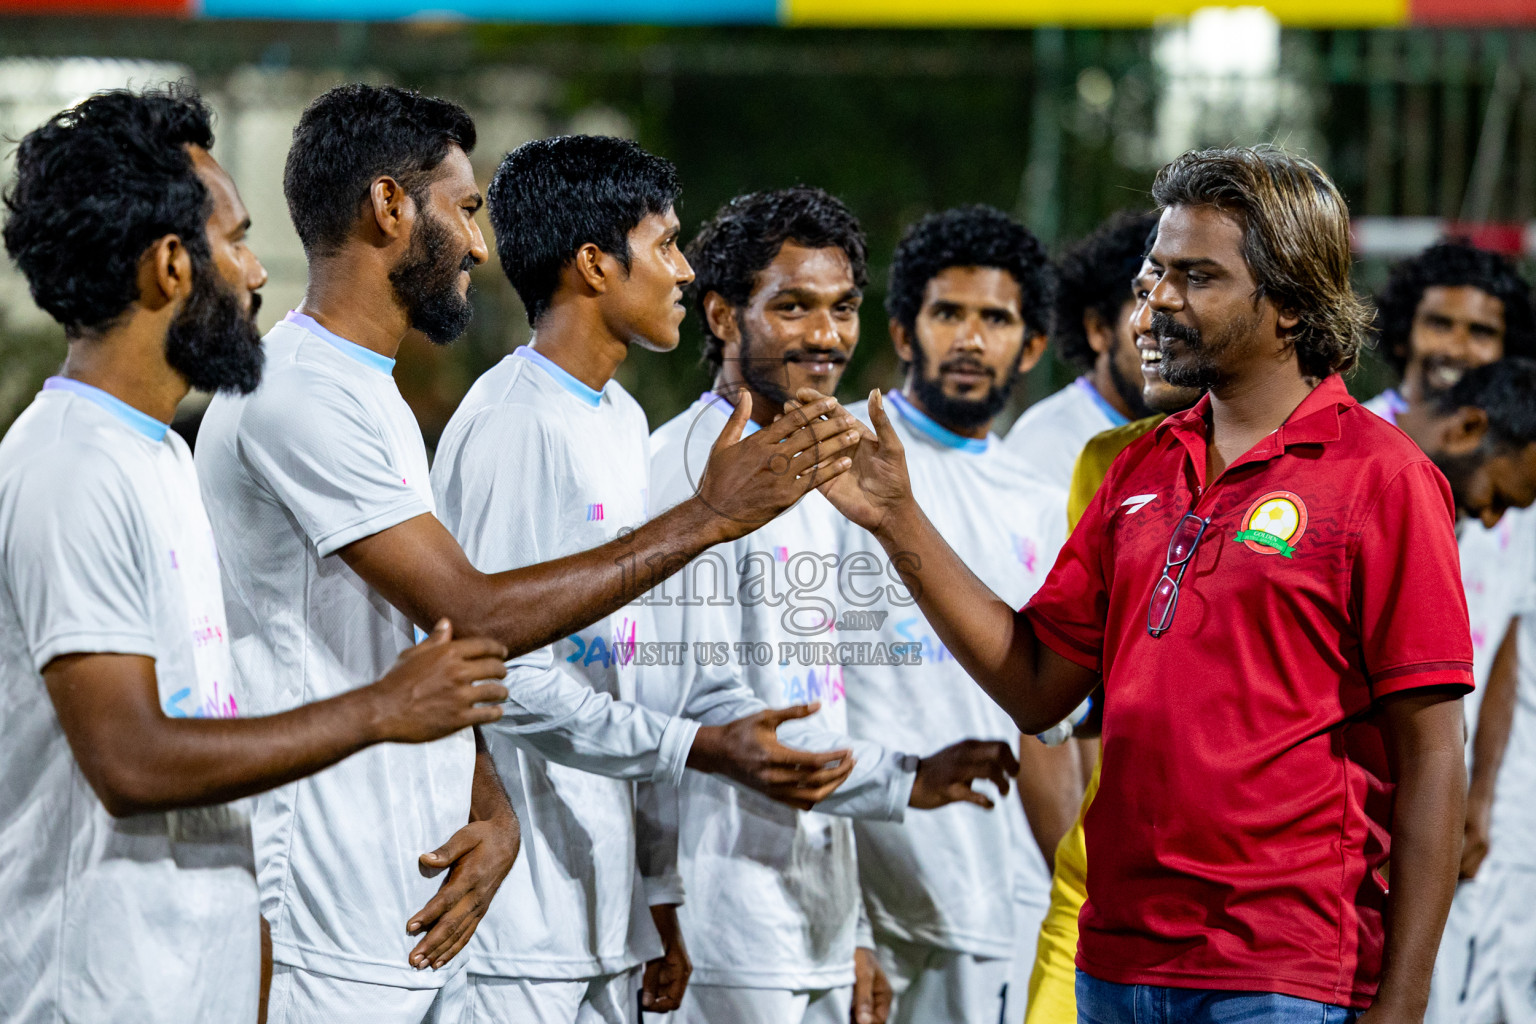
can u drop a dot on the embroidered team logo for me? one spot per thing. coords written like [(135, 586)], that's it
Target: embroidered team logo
[(1274, 524)]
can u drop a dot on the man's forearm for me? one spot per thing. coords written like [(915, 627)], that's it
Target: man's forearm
[(1428, 810), (533, 606), (993, 642), (193, 762), (1495, 719), (487, 796)]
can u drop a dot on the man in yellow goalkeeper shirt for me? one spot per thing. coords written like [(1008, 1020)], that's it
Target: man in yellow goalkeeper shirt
[(1052, 999)]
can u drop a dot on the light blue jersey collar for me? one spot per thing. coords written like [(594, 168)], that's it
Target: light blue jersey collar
[(721, 403), (141, 422), (929, 427), (1396, 405), (562, 377), (351, 349), (1113, 414)]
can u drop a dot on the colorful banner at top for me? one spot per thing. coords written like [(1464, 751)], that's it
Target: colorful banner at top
[(830, 13)]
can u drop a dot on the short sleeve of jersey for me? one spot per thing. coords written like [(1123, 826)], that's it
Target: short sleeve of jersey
[(75, 550), (318, 451), (1071, 606), (1407, 588), (498, 488)]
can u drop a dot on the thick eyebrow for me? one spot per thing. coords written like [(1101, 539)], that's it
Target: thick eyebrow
[(985, 307), (241, 228), (805, 293), (1197, 262), (478, 200)]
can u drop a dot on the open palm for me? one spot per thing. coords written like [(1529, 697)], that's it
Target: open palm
[(878, 481)]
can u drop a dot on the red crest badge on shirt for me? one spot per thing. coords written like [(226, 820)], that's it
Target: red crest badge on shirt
[(1274, 524)]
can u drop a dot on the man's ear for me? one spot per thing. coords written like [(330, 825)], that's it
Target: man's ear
[(1463, 431), (901, 341), (1101, 335), (394, 211), (1032, 352), (1286, 319), (589, 266), (165, 273), (720, 315)]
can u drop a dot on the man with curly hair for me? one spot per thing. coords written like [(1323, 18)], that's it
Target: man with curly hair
[(1266, 584), (1447, 311), (773, 893), (1089, 320), (955, 898), (1450, 308), (127, 865)]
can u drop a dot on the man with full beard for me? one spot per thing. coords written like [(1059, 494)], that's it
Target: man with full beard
[(955, 898), (548, 455), (1445, 311), (127, 867), (1267, 584), (1092, 309), (773, 898), (319, 495)]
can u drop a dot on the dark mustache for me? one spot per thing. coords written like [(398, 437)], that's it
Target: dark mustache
[(966, 366), (1166, 328), (800, 355)]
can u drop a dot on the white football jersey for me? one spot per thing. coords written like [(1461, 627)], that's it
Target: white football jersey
[(1513, 836), (535, 466), (326, 452), (105, 549), (945, 878), (1051, 433), (773, 892)]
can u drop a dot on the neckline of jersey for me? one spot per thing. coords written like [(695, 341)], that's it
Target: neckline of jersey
[(934, 430), (1395, 403), (723, 406), (1115, 417), (140, 422), (561, 376), (367, 356)]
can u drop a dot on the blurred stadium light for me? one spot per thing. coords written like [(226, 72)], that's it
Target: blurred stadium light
[(1423, 110), (839, 13)]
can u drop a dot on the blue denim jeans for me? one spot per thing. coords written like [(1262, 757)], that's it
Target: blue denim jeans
[(1104, 1002)]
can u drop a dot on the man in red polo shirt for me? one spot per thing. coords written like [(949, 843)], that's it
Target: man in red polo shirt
[(1268, 585)]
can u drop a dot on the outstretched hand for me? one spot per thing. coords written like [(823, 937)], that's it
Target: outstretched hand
[(748, 750), (877, 482), (946, 777), (750, 480)]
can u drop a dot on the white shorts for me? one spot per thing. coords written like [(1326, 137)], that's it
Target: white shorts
[(606, 999), (1500, 986), (721, 1004), (300, 996), (1027, 917), (1450, 984), (932, 984)]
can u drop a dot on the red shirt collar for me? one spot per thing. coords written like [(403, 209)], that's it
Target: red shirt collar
[(1314, 421)]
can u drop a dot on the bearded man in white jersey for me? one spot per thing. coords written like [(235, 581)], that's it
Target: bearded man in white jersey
[(955, 898), (125, 846), (1445, 311), (1481, 433), (549, 455), (318, 491), (773, 894), (1090, 318)]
